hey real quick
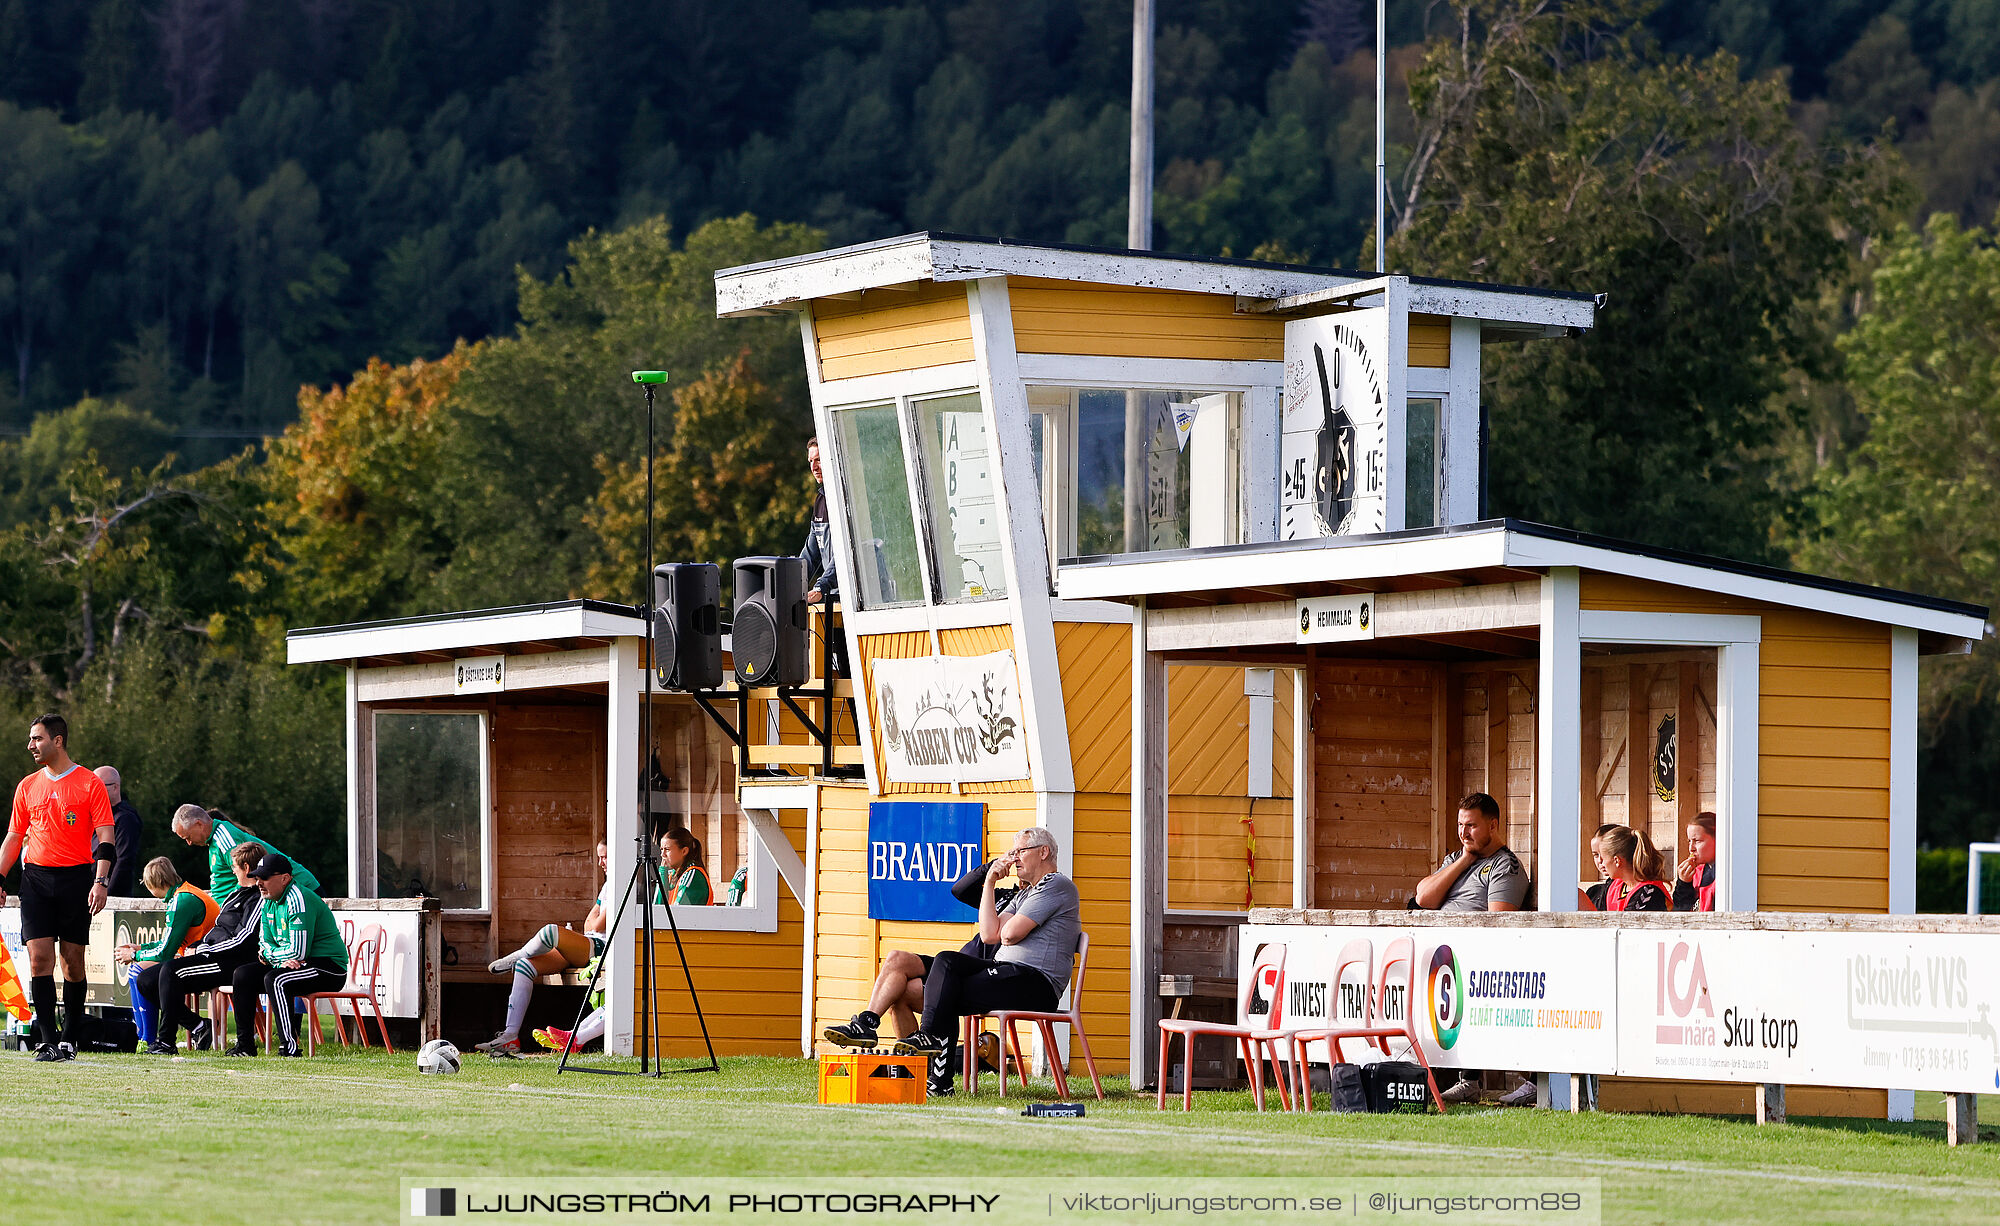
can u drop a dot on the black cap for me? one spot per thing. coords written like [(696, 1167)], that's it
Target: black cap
[(271, 865)]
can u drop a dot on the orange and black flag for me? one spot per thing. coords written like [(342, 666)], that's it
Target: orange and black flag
[(12, 998)]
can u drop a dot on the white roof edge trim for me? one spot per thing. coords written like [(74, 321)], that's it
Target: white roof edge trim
[(1467, 302), (447, 634), (1535, 551), (756, 288), (759, 288), (1254, 569)]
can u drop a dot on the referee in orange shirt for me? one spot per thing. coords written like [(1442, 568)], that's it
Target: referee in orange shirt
[(63, 816)]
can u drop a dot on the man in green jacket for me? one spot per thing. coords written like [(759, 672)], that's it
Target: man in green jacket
[(299, 952), (199, 827)]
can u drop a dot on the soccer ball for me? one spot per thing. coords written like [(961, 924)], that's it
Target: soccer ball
[(437, 1056)]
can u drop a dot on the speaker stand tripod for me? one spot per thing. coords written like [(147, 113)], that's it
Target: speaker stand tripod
[(645, 867)]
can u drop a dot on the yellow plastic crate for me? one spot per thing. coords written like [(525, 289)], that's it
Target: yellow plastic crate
[(869, 1077)]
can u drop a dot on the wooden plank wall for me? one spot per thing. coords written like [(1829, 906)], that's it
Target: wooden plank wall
[(1374, 797), (548, 813), (1681, 684), (1129, 321), (1212, 822), (891, 329), (749, 982), (1497, 733), (1823, 747)]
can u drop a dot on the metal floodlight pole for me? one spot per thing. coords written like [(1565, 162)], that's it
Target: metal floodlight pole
[(1381, 132), (1139, 214)]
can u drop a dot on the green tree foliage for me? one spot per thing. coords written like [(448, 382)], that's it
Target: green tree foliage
[(1912, 506), (519, 465), (730, 482), (350, 485), (1553, 151)]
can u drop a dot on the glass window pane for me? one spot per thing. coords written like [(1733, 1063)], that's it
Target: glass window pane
[(964, 507), (428, 808), (1151, 469), (879, 521), (700, 793), (1420, 456)]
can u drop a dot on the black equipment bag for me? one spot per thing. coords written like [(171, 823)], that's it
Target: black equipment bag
[(1349, 1088), (1396, 1085)]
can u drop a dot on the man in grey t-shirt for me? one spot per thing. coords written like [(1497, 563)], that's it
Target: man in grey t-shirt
[(1036, 933), (1482, 875)]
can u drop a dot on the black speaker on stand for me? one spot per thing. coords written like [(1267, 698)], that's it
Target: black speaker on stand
[(770, 638), (687, 630)]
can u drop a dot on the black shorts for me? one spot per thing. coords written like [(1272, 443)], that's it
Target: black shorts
[(55, 902)]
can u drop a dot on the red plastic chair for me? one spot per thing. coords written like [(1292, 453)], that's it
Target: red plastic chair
[(1372, 1029), (364, 964), (1045, 1022), (1255, 1043)]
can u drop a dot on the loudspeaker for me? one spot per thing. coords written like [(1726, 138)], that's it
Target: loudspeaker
[(770, 638), (687, 625)]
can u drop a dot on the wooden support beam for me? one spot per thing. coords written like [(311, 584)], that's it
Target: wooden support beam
[(1961, 1119), (1148, 844), (1499, 688), (1443, 792), (1638, 748), (1687, 748)]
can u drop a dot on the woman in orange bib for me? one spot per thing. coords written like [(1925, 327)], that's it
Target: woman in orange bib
[(190, 914)]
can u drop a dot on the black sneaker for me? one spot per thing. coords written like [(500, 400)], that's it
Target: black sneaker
[(65, 1051), (291, 1052), (159, 1047), (241, 1051), (917, 1043), (859, 1032), (943, 1066), (940, 1089), (47, 1054), (202, 1035)]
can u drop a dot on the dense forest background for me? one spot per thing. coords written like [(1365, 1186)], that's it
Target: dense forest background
[(315, 308)]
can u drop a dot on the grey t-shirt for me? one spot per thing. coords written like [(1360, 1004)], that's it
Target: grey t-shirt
[(1498, 877), (1051, 947)]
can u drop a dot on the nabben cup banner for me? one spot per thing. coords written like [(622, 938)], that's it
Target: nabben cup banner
[(950, 719), (916, 850)]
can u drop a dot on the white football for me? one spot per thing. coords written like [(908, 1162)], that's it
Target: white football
[(437, 1056)]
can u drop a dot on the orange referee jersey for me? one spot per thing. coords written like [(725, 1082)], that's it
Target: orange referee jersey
[(59, 817)]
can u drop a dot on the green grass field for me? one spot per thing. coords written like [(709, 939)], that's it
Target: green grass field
[(110, 1139)]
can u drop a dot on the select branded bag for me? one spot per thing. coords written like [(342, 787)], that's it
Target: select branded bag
[(1396, 1085)]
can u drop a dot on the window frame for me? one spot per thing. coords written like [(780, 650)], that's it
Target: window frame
[(487, 867), (1060, 528), (918, 481)]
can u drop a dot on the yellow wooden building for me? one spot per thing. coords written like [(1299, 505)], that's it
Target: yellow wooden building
[(1185, 560), (1226, 520)]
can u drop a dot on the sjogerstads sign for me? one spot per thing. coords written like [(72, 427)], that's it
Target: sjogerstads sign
[(950, 719), (915, 851)]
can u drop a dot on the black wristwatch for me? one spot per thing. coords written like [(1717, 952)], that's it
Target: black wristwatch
[(103, 881)]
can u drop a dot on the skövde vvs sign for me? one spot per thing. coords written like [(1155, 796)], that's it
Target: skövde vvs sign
[(950, 719)]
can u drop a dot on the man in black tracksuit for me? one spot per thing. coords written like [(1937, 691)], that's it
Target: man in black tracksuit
[(209, 965)]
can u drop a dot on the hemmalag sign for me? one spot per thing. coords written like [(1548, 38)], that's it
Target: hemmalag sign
[(916, 849), (950, 719)]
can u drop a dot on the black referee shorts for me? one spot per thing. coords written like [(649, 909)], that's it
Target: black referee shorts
[(55, 902)]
